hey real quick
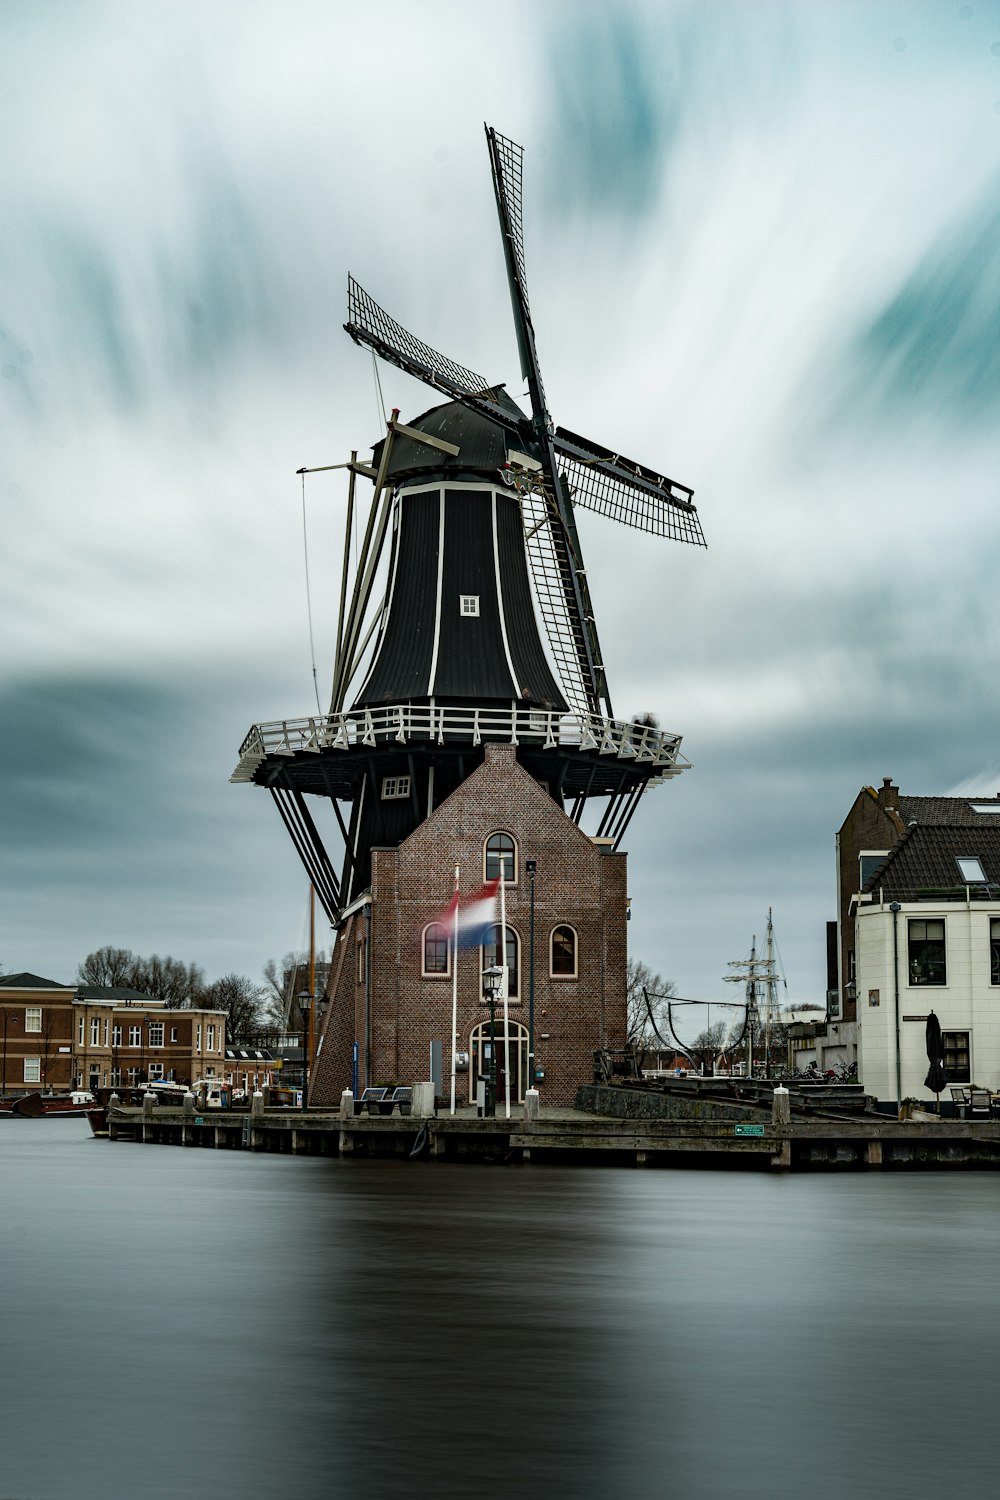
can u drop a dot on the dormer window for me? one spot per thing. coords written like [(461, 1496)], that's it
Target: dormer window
[(468, 605)]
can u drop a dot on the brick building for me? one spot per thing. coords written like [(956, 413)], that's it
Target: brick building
[(397, 995), (56, 1037)]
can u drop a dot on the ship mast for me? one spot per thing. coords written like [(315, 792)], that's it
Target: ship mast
[(756, 973)]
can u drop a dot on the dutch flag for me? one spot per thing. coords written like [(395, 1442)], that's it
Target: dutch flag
[(476, 916)]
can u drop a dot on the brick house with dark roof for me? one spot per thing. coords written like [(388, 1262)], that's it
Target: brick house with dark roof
[(391, 986), (57, 1037), (919, 929)]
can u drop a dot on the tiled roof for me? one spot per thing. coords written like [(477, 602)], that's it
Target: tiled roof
[(948, 812), (924, 860), (30, 982)]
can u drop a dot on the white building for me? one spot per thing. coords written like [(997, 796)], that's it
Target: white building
[(927, 937)]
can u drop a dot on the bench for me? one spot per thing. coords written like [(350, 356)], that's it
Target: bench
[(370, 1098)]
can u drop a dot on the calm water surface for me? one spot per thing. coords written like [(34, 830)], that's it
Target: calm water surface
[(221, 1324)]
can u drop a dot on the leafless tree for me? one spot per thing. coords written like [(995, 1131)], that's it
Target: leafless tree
[(168, 979), (640, 977), (284, 982), (241, 1000)]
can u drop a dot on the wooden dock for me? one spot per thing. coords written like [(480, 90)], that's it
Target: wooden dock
[(567, 1136)]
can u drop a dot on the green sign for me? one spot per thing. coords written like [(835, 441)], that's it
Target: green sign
[(748, 1130)]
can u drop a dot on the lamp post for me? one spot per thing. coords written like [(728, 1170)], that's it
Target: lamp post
[(305, 1007), (492, 985), (531, 866), (306, 1003), (7, 1018)]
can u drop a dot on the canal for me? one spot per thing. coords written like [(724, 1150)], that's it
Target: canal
[(225, 1324)]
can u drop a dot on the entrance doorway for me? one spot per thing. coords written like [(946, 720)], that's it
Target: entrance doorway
[(479, 1059)]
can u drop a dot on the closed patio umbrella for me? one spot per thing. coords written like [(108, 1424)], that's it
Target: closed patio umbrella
[(936, 1076)]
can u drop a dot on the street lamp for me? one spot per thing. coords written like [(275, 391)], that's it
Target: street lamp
[(492, 986), (7, 1018), (306, 1001), (531, 865)]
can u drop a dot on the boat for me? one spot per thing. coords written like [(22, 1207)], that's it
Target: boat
[(31, 1106)]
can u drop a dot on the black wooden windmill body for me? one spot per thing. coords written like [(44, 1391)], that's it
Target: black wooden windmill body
[(475, 499)]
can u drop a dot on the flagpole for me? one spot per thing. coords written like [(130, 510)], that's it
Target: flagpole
[(506, 982), (454, 989)]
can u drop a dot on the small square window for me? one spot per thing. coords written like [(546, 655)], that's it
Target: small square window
[(395, 787), (469, 604)]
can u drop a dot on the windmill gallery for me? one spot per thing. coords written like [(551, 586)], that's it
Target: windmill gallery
[(457, 749)]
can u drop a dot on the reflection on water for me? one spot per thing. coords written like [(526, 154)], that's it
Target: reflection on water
[(228, 1325)]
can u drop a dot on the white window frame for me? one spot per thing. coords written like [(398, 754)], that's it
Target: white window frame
[(576, 952), (210, 1043), (514, 854), (395, 788), (32, 1070), (135, 1036), (80, 1032), (116, 1035), (33, 1018), (155, 1029), (155, 1071), (468, 606), (426, 973), (95, 1031)]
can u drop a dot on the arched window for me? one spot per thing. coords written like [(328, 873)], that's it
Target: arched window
[(501, 855), (562, 953), (493, 954), (436, 951)]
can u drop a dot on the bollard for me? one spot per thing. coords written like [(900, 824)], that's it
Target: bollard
[(531, 1104), (781, 1107), (148, 1103), (189, 1103), (423, 1099), (347, 1105), (257, 1102)]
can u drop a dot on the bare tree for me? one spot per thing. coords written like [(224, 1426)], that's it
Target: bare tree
[(241, 1001), (640, 977), (284, 982), (168, 979)]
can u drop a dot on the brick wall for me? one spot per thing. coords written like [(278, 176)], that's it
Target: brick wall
[(578, 883)]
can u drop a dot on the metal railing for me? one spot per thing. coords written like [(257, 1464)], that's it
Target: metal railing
[(407, 723)]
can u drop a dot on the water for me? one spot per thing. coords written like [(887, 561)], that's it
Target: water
[(220, 1324)]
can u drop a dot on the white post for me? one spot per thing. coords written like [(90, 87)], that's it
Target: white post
[(506, 1010), (454, 990)]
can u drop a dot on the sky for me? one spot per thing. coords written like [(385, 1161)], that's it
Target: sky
[(761, 241)]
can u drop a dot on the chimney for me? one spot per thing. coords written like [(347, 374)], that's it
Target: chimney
[(888, 795)]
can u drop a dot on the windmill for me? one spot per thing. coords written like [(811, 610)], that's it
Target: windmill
[(476, 499)]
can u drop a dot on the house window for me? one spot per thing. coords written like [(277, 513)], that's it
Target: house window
[(197, 1036), (116, 1036), (994, 950), (156, 1033), (211, 1038), (95, 1031), (133, 1077), (501, 858), (135, 1036), (437, 950), (468, 605), (926, 944), (173, 1033), (956, 1056), (970, 869), (116, 1078), (562, 959), (395, 787), (360, 974), (33, 1018), (32, 1070), (155, 1071), (868, 862), (493, 954), (79, 1032)]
